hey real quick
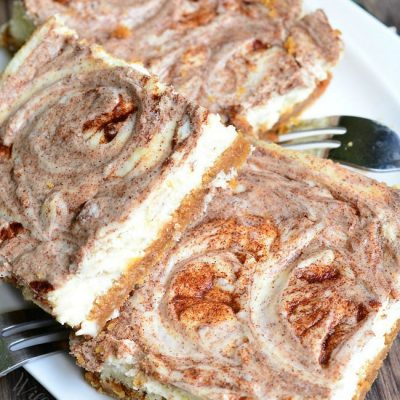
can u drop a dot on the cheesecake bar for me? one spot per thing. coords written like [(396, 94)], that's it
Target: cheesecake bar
[(101, 167), (287, 287), (257, 63)]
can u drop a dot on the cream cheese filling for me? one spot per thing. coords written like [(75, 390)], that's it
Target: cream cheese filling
[(115, 249), (265, 116), (363, 352)]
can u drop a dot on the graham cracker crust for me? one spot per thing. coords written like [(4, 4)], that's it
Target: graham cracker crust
[(135, 273), (365, 384), (113, 388)]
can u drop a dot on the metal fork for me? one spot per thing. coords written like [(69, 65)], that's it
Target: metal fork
[(354, 141), (28, 334)]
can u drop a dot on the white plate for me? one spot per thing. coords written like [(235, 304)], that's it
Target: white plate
[(366, 83)]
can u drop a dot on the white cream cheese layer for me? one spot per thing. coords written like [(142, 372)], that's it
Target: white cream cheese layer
[(265, 116), (123, 242), (128, 241)]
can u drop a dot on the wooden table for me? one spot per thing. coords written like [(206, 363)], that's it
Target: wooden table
[(21, 386)]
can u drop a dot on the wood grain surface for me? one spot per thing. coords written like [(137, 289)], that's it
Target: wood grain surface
[(19, 385), (387, 11)]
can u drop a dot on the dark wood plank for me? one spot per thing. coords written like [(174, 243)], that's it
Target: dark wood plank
[(19, 385), (3, 12), (387, 385), (387, 11)]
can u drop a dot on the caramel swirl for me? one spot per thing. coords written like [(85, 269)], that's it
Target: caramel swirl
[(269, 293)]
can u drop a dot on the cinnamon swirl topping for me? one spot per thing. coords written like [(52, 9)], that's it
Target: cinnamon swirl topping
[(96, 159), (268, 295), (230, 56)]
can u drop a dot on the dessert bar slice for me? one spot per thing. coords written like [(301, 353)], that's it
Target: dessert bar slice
[(257, 63), (287, 287), (101, 167)]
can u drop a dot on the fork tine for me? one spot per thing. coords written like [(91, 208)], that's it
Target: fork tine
[(23, 320), (28, 334), (20, 357), (21, 317), (320, 145), (51, 334), (303, 134)]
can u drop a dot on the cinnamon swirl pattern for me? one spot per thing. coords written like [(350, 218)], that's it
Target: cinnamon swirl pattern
[(254, 62), (284, 288), (97, 159)]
